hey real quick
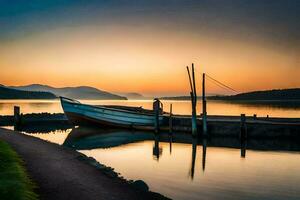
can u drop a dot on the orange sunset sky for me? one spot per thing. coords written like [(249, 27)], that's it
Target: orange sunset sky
[(145, 47)]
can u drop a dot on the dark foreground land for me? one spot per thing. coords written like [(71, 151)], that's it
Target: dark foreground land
[(14, 181), (61, 173)]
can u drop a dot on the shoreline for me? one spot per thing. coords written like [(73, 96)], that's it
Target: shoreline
[(62, 173)]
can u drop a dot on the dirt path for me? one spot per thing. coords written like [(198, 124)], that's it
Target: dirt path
[(60, 175)]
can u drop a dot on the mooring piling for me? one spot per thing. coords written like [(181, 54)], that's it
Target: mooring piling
[(243, 132), (17, 117), (204, 113), (193, 94), (170, 120), (243, 136), (156, 108)]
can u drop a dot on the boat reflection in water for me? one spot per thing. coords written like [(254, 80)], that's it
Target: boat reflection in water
[(83, 138)]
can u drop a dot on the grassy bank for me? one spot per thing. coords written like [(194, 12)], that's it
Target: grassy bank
[(14, 182)]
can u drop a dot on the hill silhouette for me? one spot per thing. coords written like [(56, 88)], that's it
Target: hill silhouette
[(81, 92), (267, 95), (9, 93)]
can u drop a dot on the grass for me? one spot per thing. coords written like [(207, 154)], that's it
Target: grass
[(14, 181)]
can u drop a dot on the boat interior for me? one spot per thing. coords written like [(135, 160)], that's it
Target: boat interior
[(129, 108)]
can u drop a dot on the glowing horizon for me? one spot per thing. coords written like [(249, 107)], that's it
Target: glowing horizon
[(129, 50)]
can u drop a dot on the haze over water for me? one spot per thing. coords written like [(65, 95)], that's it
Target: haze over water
[(179, 107)]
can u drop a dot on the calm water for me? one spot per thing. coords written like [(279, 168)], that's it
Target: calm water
[(179, 107), (181, 167), (187, 169), (261, 175)]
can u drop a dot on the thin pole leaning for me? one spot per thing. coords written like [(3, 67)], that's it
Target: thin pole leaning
[(194, 85), (204, 114), (193, 100)]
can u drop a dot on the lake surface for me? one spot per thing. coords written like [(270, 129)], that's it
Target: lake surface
[(179, 107), (182, 167), (225, 175)]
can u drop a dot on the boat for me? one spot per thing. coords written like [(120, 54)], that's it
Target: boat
[(109, 115)]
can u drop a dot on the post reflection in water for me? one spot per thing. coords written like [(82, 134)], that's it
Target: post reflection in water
[(170, 142), (157, 151), (194, 154), (203, 154), (243, 148), (89, 139)]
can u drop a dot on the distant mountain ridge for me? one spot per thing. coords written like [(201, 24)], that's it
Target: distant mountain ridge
[(178, 98), (9, 93), (266, 95), (81, 92)]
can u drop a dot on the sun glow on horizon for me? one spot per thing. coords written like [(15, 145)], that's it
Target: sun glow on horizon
[(131, 56)]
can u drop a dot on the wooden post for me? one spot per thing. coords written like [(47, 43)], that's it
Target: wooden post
[(156, 108), (204, 117), (194, 104), (194, 85), (17, 117), (243, 133), (191, 85), (170, 120), (193, 100)]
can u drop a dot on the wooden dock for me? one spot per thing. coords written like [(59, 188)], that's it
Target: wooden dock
[(33, 118), (225, 126), (230, 126)]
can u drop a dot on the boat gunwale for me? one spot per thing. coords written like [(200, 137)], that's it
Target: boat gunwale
[(114, 114), (71, 101), (108, 123)]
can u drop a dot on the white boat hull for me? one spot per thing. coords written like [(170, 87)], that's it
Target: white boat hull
[(78, 113)]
